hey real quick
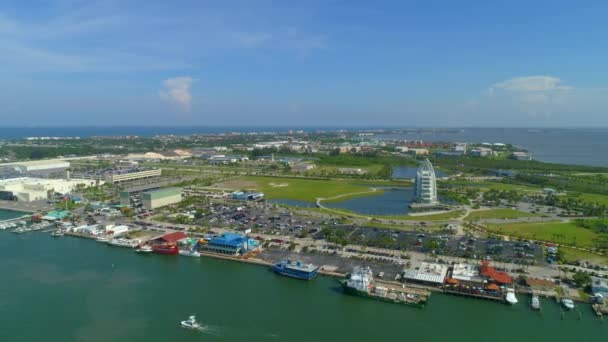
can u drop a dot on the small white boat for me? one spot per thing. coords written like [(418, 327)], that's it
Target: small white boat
[(191, 323), (144, 249), (568, 303), (190, 253), (510, 297), (57, 233), (535, 302)]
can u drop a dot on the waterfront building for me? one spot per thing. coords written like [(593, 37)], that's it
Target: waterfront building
[(466, 274), (427, 273), (492, 274), (426, 184), (158, 198), (230, 244)]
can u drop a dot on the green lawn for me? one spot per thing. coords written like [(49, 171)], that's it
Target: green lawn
[(558, 232), (305, 189), (571, 254), (503, 213), (594, 198)]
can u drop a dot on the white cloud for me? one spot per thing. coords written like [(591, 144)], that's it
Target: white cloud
[(530, 84), (177, 91), (534, 95)]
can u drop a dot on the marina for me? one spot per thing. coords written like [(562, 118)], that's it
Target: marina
[(127, 295)]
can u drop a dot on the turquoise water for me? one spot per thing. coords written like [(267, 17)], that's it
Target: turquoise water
[(70, 289), (10, 214)]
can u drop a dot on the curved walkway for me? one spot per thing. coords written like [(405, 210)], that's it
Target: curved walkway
[(319, 203)]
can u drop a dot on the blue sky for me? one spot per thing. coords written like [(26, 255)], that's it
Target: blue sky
[(304, 63)]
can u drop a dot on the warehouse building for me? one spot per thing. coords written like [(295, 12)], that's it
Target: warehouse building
[(158, 198), (38, 167), (27, 189), (427, 273)]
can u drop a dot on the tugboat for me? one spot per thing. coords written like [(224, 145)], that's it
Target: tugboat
[(191, 324), (361, 283), (568, 303), (510, 297), (535, 302)]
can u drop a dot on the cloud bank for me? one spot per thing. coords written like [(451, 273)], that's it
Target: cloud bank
[(177, 91)]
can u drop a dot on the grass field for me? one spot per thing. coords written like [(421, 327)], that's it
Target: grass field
[(558, 232), (330, 169), (503, 213), (594, 198), (571, 254), (304, 189)]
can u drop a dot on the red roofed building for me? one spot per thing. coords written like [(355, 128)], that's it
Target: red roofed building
[(171, 237), (497, 276)]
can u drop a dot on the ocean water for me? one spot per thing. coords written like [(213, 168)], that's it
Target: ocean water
[(70, 289), (10, 214), (568, 146), (565, 146)]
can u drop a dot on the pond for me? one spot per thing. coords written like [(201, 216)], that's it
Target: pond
[(394, 201), (408, 172)]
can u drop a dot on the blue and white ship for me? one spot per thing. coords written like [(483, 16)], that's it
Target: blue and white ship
[(296, 269)]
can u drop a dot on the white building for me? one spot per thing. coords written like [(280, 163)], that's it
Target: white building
[(427, 273), (38, 167), (426, 184), (28, 189)]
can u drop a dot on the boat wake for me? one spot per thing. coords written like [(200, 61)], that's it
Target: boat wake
[(210, 330)]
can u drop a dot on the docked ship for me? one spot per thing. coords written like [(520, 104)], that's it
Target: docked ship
[(361, 283), (190, 253), (165, 248), (144, 249), (296, 269), (123, 243)]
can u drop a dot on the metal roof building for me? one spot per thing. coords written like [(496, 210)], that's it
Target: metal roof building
[(427, 273)]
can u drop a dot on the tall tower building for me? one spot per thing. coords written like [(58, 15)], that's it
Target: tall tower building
[(426, 185)]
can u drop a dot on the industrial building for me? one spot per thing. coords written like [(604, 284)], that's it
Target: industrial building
[(230, 244), (37, 167), (157, 198), (425, 190), (118, 175), (427, 273), (27, 189)]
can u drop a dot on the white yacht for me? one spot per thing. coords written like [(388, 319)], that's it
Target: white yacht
[(123, 243), (144, 249), (191, 323), (190, 252), (510, 297), (535, 302), (568, 303)]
